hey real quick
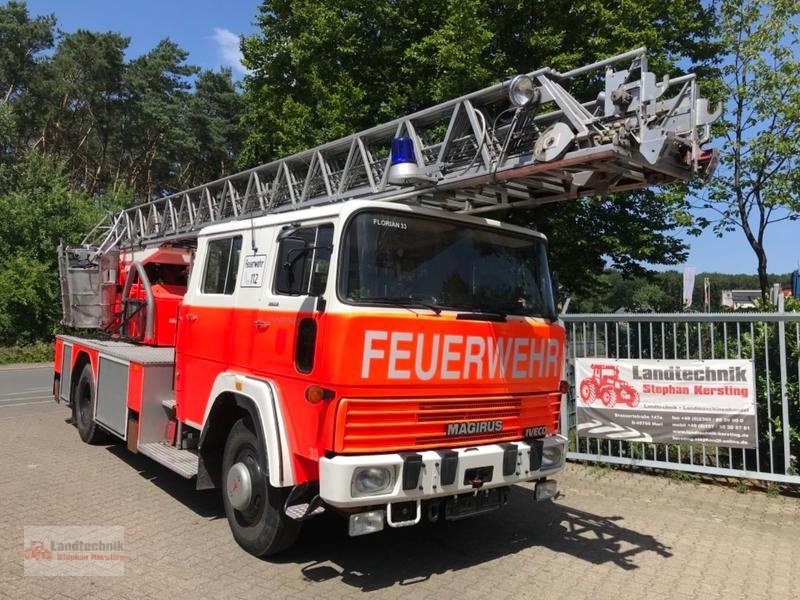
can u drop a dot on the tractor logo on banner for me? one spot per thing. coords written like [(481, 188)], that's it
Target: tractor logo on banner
[(709, 402), (606, 386)]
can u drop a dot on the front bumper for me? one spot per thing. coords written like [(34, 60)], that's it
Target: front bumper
[(336, 474)]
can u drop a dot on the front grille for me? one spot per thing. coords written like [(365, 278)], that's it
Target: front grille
[(388, 425)]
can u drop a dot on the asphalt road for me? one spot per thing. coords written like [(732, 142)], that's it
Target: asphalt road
[(25, 389)]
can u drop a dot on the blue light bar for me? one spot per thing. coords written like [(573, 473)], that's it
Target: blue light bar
[(403, 151)]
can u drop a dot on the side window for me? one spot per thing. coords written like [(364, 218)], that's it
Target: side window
[(222, 265), (304, 257)]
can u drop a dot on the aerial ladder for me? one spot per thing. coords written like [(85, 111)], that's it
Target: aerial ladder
[(522, 143)]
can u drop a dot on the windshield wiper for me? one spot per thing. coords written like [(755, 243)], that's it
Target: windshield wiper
[(404, 302)]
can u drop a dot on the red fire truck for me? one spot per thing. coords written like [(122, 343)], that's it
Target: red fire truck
[(341, 329)]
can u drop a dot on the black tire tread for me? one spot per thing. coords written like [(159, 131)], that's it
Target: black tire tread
[(275, 532), (91, 433)]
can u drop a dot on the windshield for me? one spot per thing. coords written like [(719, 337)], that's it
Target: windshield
[(417, 261)]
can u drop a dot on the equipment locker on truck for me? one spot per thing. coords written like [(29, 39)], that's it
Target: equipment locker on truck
[(341, 329)]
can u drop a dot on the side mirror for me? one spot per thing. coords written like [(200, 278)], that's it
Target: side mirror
[(288, 231), (554, 286)]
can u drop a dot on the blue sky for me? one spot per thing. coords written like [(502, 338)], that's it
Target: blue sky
[(209, 29)]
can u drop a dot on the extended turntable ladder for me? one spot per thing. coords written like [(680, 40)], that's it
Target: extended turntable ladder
[(473, 154)]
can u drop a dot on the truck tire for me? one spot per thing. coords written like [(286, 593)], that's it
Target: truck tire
[(256, 516), (83, 400)]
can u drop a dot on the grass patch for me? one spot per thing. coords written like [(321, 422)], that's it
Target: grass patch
[(599, 470), (684, 476), (29, 353)]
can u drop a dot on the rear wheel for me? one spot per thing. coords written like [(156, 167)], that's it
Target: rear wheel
[(254, 508), (83, 400)]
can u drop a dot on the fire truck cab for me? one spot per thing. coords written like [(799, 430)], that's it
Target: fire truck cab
[(388, 361)]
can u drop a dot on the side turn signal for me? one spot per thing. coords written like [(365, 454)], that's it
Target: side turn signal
[(316, 394)]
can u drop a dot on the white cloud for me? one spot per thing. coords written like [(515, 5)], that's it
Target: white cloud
[(228, 49)]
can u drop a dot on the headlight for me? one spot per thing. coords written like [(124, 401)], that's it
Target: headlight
[(370, 481), (551, 456), (521, 90)]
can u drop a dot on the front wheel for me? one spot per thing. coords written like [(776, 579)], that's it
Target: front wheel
[(254, 508), (609, 397)]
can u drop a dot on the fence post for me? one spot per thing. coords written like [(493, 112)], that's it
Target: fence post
[(787, 460)]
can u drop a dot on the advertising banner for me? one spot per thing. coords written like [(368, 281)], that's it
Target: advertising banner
[(708, 402)]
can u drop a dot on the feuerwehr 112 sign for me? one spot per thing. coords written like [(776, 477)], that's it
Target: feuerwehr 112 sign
[(708, 402)]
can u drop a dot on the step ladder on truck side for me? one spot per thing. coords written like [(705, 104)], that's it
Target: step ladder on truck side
[(343, 328)]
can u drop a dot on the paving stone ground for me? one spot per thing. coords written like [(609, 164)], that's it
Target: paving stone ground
[(610, 535)]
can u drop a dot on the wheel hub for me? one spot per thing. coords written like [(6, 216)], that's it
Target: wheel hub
[(239, 486)]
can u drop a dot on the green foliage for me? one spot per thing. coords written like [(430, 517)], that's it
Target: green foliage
[(213, 120), (684, 476), (84, 131), (8, 131), (21, 40), (74, 107), (138, 128), (661, 292), (37, 210), (155, 93), (762, 346), (599, 470), (28, 353), (29, 300), (325, 69), (626, 232), (758, 181)]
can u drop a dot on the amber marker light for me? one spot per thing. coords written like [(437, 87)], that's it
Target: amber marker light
[(316, 394)]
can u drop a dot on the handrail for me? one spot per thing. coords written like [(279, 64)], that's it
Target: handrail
[(137, 268), (726, 317)]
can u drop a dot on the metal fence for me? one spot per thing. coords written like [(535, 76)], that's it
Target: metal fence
[(770, 340)]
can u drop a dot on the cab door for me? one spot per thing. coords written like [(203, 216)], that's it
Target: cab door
[(290, 320), (290, 340), (251, 326), (206, 334)]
